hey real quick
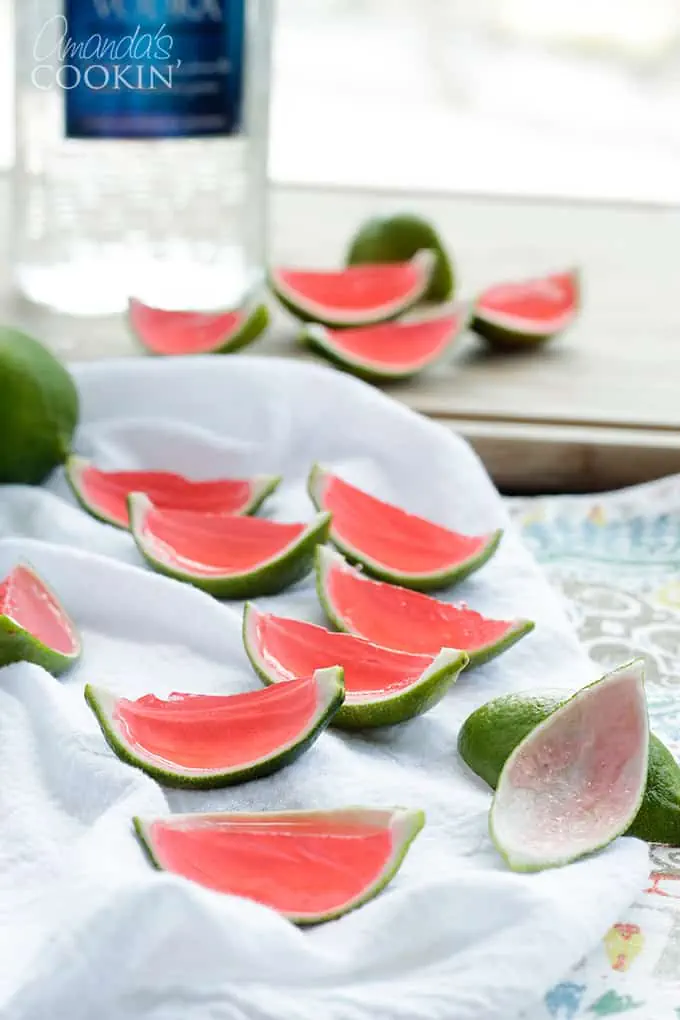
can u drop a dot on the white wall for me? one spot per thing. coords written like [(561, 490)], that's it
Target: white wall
[(547, 97)]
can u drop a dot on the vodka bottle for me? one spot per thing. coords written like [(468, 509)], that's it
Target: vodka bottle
[(141, 146)]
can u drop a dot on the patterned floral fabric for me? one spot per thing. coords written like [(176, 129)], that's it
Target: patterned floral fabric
[(616, 559)]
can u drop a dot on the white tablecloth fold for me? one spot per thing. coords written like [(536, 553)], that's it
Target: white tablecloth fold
[(87, 927)]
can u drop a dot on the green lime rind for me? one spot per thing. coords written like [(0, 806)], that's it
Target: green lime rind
[(416, 700), (485, 653), (658, 820), (506, 337), (142, 827), (432, 581), (318, 338), (19, 645), (420, 697), (405, 824), (38, 410), (250, 329), (297, 311), (396, 239), (331, 693), (307, 311), (73, 469), (272, 577), (519, 857), (327, 559), (490, 734), (263, 487)]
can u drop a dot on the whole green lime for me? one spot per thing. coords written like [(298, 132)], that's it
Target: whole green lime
[(491, 733), (38, 409), (398, 238), (488, 736)]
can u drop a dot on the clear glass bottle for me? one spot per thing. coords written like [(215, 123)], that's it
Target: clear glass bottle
[(141, 150)]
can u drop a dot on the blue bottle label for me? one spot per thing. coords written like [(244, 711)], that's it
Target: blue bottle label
[(152, 68)]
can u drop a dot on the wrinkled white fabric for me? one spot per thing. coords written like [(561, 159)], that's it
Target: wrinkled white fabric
[(87, 928)]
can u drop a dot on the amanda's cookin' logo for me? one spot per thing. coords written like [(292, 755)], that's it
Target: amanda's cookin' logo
[(138, 60)]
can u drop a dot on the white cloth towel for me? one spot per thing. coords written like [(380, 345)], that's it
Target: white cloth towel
[(87, 928)]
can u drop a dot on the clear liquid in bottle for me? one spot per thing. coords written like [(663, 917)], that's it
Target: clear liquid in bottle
[(141, 130)]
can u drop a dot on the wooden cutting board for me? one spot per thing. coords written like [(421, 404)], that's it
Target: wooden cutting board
[(597, 409)]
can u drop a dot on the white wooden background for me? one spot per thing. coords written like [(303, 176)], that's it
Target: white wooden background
[(576, 98)]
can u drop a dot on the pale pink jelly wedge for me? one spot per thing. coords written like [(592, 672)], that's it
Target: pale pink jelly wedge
[(577, 780)]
